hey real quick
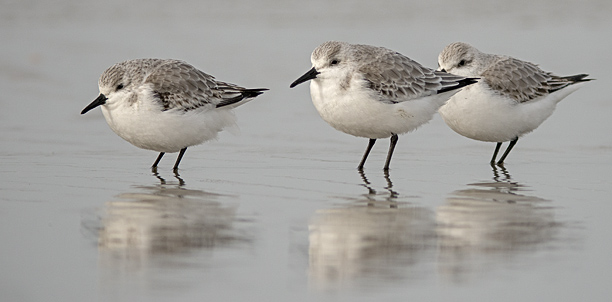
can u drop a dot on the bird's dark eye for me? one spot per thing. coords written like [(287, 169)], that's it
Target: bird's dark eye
[(119, 87), (334, 62), (461, 63)]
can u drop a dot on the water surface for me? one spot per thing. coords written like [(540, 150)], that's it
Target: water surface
[(277, 211)]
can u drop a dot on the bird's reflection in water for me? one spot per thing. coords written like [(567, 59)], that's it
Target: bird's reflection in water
[(490, 223), (391, 198), (160, 224), (163, 180), (368, 239)]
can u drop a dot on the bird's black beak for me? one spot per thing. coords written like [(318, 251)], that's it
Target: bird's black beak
[(100, 100), (311, 74)]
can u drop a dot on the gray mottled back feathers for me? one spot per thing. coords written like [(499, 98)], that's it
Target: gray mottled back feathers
[(520, 80), (176, 84), (396, 77), (524, 81)]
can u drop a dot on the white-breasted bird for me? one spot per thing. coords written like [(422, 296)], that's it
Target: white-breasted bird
[(166, 105), (511, 99)]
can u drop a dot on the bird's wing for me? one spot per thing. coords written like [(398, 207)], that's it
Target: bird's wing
[(178, 85), (522, 81), (397, 78)]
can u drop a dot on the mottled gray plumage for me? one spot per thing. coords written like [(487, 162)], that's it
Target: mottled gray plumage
[(524, 81), (520, 80), (394, 76), (176, 85)]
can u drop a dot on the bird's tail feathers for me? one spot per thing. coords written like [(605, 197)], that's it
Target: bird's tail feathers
[(240, 96)]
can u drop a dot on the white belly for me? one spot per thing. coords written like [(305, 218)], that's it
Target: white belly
[(479, 114), (166, 131), (359, 113)]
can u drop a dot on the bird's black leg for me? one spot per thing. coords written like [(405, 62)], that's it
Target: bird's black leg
[(495, 153), (510, 146), (178, 159), (367, 152), (394, 139), (154, 167)]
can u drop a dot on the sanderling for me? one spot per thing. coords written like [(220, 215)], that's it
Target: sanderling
[(513, 98), (166, 105), (374, 92)]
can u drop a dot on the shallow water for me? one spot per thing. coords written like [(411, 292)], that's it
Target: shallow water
[(278, 211)]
